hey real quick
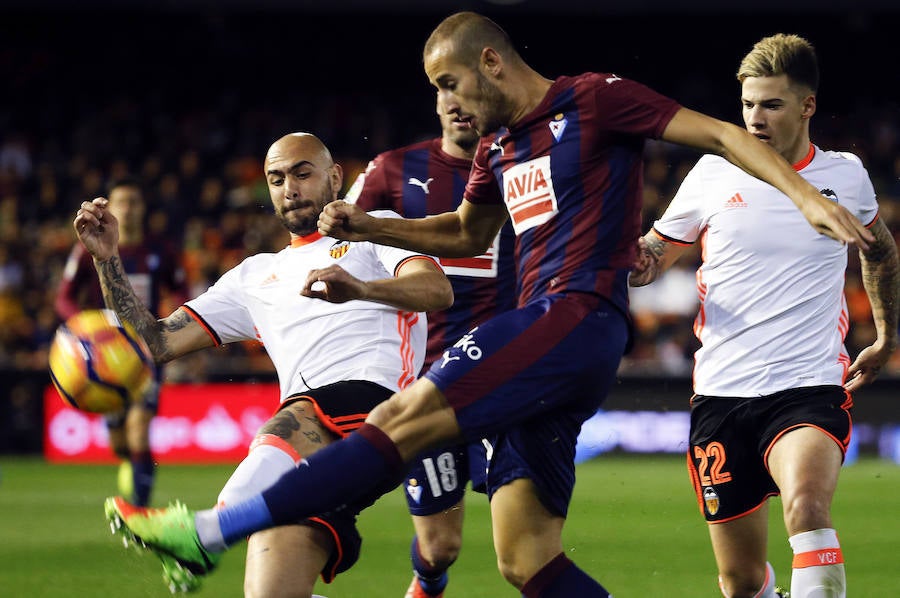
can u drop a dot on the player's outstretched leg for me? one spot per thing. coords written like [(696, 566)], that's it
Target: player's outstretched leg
[(170, 533)]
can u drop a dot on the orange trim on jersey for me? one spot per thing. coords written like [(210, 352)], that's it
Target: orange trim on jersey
[(806, 159), (329, 575), (874, 220), (196, 317), (818, 558), (277, 442), (417, 257), (405, 322), (844, 360), (700, 319), (305, 240), (671, 240), (844, 319)]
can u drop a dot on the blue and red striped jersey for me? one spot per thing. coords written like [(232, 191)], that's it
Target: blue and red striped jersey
[(570, 174), (419, 180)]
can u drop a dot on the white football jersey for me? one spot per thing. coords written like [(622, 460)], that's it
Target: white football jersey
[(772, 309), (310, 341)]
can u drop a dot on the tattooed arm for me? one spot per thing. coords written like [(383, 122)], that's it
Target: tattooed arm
[(655, 255), (168, 338), (881, 278)]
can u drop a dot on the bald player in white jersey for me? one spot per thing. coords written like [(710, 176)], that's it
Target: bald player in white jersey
[(344, 325), (771, 412)]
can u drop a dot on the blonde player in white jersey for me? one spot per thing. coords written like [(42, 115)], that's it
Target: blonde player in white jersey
[(342, 324), (772, 380)]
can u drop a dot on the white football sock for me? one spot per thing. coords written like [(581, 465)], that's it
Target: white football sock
[(818, 567), (269, 458)]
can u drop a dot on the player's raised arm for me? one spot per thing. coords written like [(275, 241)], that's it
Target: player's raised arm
[(467, 232), (168, 338), (743, 150)]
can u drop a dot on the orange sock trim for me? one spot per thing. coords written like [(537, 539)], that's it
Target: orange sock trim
[(818, 558), (279, 443)]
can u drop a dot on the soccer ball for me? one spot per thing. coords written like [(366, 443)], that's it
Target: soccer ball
[(99, 363)]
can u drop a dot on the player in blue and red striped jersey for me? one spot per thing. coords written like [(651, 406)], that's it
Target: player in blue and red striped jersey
[(154, 269), (419, 180), (564, 157)]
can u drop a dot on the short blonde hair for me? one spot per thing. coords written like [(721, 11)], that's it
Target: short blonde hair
[(782, 54)]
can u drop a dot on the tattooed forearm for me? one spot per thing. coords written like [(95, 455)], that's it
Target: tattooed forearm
[(656, 247), (881, 279), (120, 297), (647, 267)]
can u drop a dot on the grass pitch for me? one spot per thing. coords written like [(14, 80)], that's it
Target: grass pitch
[(633, 524)]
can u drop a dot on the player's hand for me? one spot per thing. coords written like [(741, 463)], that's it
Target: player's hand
[(835, 221), (97, 228), (867, 366), (346, 221), (646, 266), (333, 284)]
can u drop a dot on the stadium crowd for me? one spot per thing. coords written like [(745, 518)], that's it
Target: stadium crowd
[(206, 191), (78, 116)]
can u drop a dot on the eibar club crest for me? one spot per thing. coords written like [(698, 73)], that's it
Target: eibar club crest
[(338, 250), (414, 490), (558, 125)]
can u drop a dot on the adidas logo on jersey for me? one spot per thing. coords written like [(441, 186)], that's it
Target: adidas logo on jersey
[(736, 201)]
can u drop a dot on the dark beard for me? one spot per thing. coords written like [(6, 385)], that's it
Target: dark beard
[(494, 102), (309, 224), (305, 226)]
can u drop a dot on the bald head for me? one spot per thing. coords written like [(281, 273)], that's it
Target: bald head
[(306, 145), (464, 35), (302, 178)]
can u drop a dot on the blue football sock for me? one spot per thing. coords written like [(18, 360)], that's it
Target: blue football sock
[(560, 578), (358, 466), (432, 579), (143, 470), (235, 523)]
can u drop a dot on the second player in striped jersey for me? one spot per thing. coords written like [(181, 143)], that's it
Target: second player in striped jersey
[(415, 181)]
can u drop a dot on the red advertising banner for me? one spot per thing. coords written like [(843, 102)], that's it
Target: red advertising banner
[(197, 423)]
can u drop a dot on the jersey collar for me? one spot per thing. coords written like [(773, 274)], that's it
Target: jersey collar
[(305, 240), (806, 159)]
